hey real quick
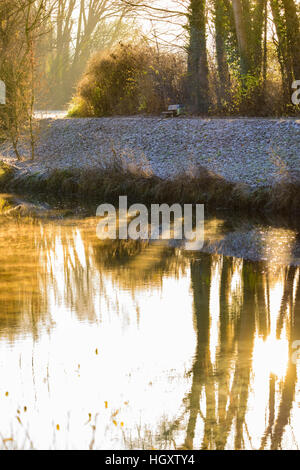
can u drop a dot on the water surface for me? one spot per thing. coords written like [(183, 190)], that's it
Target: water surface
[(126, 345)]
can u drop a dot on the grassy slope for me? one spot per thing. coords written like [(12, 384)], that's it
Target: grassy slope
[(106, 185)]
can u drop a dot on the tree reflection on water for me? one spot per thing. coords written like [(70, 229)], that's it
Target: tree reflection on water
[(243, 384)]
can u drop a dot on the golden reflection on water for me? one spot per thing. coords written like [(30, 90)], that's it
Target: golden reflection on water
[(128, 345)]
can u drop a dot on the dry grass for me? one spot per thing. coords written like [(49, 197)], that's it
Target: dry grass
[(108, 182)]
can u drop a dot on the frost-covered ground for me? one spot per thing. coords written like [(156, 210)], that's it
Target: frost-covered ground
[(255, 151)]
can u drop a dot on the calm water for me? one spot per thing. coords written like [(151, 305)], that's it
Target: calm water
[(127, 345)]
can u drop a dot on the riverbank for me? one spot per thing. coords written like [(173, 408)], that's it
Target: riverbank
[(247, 164), (91, 187)]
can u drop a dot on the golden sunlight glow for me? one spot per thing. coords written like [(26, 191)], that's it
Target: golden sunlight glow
[(125, 348)]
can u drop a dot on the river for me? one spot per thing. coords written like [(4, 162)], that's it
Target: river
[(126, 345)]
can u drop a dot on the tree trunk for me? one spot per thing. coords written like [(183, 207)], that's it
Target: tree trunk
[(241, 32), (282, 49), (197, 57), (293, 35), (257, 35), (222, 61)]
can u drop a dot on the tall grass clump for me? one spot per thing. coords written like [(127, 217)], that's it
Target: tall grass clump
[(129, 80)]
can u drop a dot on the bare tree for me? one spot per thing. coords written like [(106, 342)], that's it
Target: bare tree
[(75, 29), (20, 25)]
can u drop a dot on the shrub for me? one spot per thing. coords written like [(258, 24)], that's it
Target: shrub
[(129, 80)]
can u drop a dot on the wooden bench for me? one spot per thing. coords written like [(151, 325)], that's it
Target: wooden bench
[(173, 110)]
